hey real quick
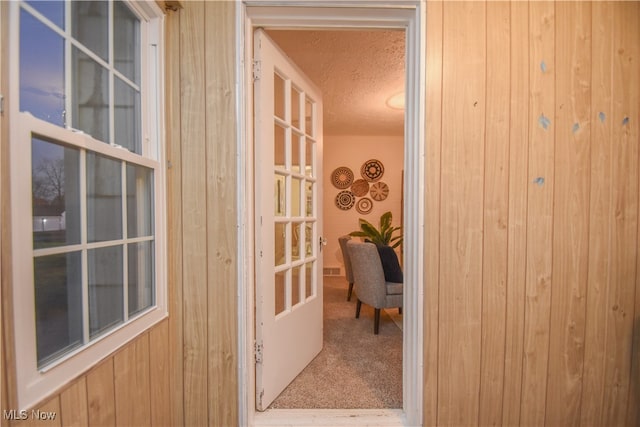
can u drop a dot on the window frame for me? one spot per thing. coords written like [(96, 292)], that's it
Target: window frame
[(33, 383)]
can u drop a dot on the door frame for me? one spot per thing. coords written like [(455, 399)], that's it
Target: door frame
[(357, 14)]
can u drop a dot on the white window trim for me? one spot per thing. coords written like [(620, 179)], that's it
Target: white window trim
[(33, 384)]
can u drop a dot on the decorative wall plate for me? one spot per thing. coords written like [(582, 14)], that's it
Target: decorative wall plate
[(364, 205), (342, 177), (379, 191), (360, 187), (345, 200), (372, 170)]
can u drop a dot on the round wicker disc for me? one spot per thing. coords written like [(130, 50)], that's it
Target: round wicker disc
[(360, 187), (342, 177), (379, 191), (364, 205), (372, 170), (345, 200)]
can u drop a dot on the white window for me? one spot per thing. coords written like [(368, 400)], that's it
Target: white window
[(87, 184)]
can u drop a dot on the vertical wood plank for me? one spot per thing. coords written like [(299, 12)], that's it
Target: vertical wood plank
[(539, 212), (496, 213), (101, 395), (600, 219), (47, 414), (174, 216), (571, 212), (73, 405), (194, 213), (627, 132), (159, 379), (460, 296), (433, 133), (132, 384), (518, 191), (221, 212)]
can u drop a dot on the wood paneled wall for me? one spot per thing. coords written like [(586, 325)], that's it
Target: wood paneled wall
[(202, 180), (532, 295)]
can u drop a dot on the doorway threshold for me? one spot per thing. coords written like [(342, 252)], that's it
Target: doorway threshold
[(330, 417)]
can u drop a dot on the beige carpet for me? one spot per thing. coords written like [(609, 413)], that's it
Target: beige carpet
[(355, 369)]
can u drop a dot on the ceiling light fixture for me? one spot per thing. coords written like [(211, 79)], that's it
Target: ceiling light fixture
[(396, 101)]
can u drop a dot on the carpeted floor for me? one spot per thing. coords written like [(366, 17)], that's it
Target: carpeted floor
[(355, 369)]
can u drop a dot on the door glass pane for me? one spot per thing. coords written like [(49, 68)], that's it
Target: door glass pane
[(105, 289), (139, 201), (295, 107), (90, 97), (308, 116), (140, 272), (296, 140), (309, 157), (308, 198), (280, 238), (278, 96), (279, 147), (55, 194), (296, 186), (309, 279), (309, 239), (296, 277), (42, 86), (280, 289), (127, 117), (126, 42), (90, 21), (51, 9), (280, 193), (104, 198), (58, 300), (297, 240)]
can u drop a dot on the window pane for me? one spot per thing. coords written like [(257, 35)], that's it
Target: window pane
[(309, 279), (297, 240), (296, 281), (104, 198), (309, 156), (41, 71), (296, 140), (295, 108), (126, 43), (127, 117), (55, 194), (280, 238), (295, 196), (281, 292), (105, 289), (280, 199), (90, 21), (141, 262), (308, 117), (278, 96), (309, 198), (90, 98), (51, 9), (279, 147), (58, 300), (139, 201)]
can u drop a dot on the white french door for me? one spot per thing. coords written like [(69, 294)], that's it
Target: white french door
[(288, 165)]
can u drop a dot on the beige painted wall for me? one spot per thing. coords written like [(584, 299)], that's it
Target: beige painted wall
[(352, 152)]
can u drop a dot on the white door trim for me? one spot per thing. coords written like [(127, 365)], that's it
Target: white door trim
[(408, 15)]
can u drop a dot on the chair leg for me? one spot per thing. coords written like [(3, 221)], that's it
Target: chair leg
[(376, 321), (358, 305), (350, 291), (399, 310)]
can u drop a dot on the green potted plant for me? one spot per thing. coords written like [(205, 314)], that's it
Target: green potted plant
[(383, 235)]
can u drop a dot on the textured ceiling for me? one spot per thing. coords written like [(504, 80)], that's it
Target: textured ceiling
[(357, 72)]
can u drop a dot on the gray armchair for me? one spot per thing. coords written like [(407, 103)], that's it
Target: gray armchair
[(370, 284), (348, 273)]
